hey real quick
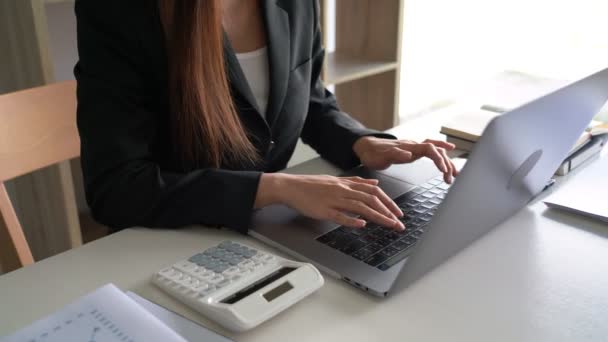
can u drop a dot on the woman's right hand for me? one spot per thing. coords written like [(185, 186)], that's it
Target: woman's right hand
[(331, 198)]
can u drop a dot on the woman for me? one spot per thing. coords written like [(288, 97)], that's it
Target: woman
[(186, 109)]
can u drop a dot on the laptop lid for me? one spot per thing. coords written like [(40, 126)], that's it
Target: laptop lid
[(517, 154)]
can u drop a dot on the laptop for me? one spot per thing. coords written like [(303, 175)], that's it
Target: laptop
[(511, 163)]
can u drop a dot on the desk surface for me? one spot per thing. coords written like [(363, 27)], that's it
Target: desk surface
[(541, 276)]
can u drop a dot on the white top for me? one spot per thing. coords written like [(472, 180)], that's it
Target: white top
[(255, 67)]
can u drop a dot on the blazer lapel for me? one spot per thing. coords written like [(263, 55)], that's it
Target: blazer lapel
[(277, 30)]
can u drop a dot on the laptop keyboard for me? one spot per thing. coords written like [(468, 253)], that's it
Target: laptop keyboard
[(383, 247)]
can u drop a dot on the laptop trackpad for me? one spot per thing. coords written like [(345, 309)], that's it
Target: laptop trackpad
[(391, 185), (416, 173)]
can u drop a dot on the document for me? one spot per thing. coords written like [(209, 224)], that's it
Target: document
[(183, 326), (105, 315), (586, 193)]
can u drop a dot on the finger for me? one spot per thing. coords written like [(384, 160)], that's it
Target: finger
[(399, 155), (382, 196), (360, 208), (455, 170), (361, 180), (413, 147), (439, 143), (345, 220), (447, 176), (430, 151), (373, 202)]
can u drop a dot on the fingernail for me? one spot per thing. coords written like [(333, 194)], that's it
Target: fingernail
[(401, 214), (400, 225)]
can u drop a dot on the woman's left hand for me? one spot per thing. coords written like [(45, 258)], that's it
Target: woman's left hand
[(379, 154)]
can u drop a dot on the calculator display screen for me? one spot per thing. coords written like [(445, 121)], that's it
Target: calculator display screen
[(277, 291), (260, 284)]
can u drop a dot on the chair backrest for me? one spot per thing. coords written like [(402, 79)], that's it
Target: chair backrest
[(37, 129)]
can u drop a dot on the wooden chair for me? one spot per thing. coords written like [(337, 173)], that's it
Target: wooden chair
[(37, 129)]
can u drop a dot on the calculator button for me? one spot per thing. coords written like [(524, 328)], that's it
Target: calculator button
[(250, 253), (247, 264), (225, 244), (203, 261), (210, 251), (231, 270), (195, 258), (216, 279), (167, 271), (244, 270), (201, 287), (221, 268), (234, 260), (268, 258), (185, 266), (223, 283), (233, 248), (260, 256)]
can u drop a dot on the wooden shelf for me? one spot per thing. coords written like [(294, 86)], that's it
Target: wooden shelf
[(341, 67), (366, 62)]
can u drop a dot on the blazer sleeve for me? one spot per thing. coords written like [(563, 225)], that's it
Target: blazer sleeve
[(125, 186), (331, 132)]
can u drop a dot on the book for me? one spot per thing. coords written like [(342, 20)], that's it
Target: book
[(585, 194), (186, 328), (466, 129), (468, 125), (109, 315), (591, 150), (104, 315), (461, 144)]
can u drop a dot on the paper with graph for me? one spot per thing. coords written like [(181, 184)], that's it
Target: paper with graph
[(105, 315)]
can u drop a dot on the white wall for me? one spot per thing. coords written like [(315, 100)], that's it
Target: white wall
[(62, 39)]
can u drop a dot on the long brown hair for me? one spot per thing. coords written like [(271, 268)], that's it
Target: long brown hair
[(206, 127)]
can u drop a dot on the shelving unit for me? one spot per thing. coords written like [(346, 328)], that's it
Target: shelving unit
[(364, 68)]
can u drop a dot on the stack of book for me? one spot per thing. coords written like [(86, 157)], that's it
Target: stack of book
[(466, 128), (511, 89)]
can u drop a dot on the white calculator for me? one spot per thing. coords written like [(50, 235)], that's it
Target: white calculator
[(238, 286)]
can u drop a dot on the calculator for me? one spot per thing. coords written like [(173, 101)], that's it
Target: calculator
[(238, 286)]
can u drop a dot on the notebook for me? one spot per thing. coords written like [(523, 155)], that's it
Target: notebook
[(109, 315), (105, 315), (466, 128), (184, 327), (586, 193)]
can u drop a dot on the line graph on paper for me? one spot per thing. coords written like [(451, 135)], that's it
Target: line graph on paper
[(104, 315), (89, 326)]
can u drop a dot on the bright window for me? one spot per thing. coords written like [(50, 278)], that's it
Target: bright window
[(450, 45)]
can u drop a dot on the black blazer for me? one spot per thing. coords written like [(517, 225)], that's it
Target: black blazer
[(131, 176)]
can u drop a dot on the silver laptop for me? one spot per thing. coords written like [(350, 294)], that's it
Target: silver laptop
[(512, 162)]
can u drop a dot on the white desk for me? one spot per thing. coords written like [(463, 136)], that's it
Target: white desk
[(542, 276)]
